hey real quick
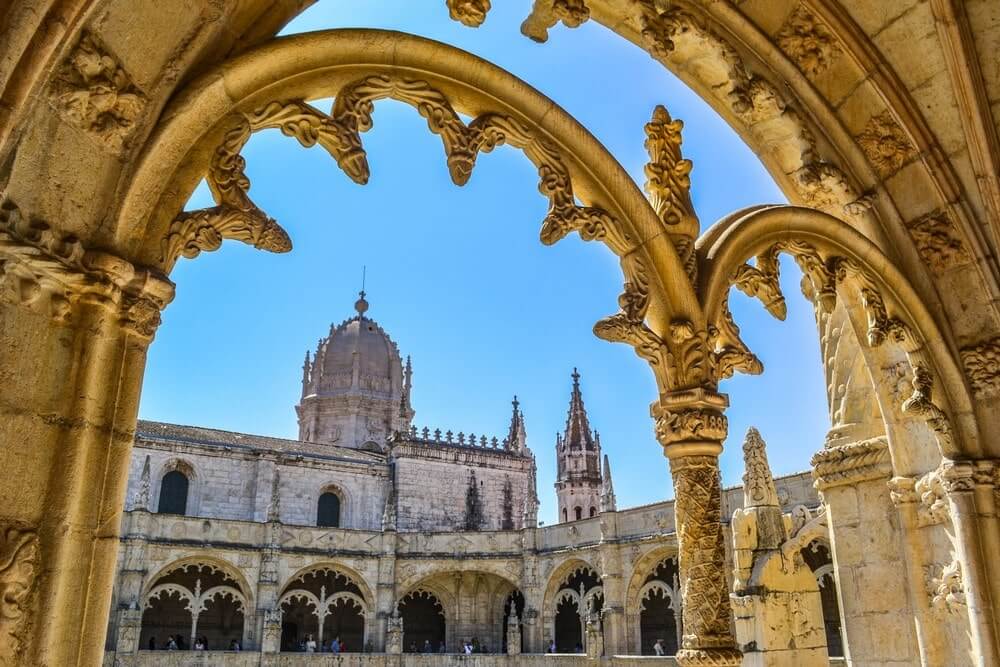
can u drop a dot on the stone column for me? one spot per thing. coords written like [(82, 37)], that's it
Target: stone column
[(691, 427), (385, 592), (959, 485), (270, 636), (613, 612), (989, 527), (929, 638), (75, 324), (877, 599)]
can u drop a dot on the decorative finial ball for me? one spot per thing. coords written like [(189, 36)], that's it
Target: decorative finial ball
[(361, 305)]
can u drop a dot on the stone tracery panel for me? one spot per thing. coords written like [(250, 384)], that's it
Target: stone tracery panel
[(323, 603)]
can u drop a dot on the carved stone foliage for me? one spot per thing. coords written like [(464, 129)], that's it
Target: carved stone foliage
[(236, 216), (945, 588), (546, 13), (668, 184), (689, 424), (94, 93), (938, 241), (471, 13), (807, 41), (40, 268), (18, 563), (697, 488), (885, 144), (982, 366)]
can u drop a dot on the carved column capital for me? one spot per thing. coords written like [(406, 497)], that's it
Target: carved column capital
[(691, 423), (958, 477), (852, 463), (902, 491)]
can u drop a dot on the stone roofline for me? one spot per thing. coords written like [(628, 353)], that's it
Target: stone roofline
[(437, 438)]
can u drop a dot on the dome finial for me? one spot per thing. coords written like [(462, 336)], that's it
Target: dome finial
[(361, 305)]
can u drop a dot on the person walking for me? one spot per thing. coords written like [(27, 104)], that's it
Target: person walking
[(335, 645), (658, 647), (310, 644), (171, 644)]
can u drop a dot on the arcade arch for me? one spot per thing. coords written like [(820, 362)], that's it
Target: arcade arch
[(325, 602)]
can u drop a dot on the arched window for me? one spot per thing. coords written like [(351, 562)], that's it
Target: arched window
[(328, 512), (565, 516), (579, 513), (593, 512), (173, 493)]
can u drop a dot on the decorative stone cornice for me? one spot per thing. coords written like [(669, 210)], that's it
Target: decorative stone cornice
[(851, 464), (42, 268), (982, 366)]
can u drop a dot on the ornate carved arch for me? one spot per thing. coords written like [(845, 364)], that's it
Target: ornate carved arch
[(334, 567), (229, 570), (839, 262)]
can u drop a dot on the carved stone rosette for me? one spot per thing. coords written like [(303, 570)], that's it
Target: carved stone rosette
[(691, 426)]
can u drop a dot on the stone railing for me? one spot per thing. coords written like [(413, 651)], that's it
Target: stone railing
[(437, 437)]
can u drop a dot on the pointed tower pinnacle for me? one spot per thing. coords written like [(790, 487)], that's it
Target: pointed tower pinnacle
[(608, 501), (517, 437), (578, 433), (758, 483)]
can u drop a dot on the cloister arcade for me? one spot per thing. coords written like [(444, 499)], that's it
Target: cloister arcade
[(878, 120)]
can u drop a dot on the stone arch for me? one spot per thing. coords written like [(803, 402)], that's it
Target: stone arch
[(230, 570), (195, 597), (262, 88), (556, 592), (325, 601), (188, 469), (640, 586), (427, 616), (881, 301)]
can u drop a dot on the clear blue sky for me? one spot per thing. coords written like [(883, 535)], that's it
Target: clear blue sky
[(459, 279)]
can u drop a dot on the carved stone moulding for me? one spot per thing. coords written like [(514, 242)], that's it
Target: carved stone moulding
[(41, 268), (851, 464), (18, 567)]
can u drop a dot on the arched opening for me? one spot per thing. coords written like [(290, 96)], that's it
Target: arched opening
[(423, 622), (191, 602), (173, 493), (515, 602), (659, 609), (328, 510), (578, 593), (593, 512), (565, 515), (578, 512), (817, 556), (322, 605)]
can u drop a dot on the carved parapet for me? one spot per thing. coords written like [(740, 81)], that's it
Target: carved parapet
[(41, 268), (18, 566), (851, 464)]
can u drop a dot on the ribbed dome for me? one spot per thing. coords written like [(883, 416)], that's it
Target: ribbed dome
[(362, 339)]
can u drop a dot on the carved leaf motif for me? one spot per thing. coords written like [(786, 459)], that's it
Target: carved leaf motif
[(982, 365), (18, 554), (808, 41), (546, 13), (885, 144), (938, 241), (761, 282)]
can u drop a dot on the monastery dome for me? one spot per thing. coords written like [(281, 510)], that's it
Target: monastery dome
[(357, 354)]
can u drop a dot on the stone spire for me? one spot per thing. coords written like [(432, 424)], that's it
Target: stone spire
[(405, 408), (608, 501), (758, 483), (578, 456), (578, 433), (141, 501), (517, 437)]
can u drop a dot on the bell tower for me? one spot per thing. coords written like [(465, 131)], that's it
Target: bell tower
[(578, 453)]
